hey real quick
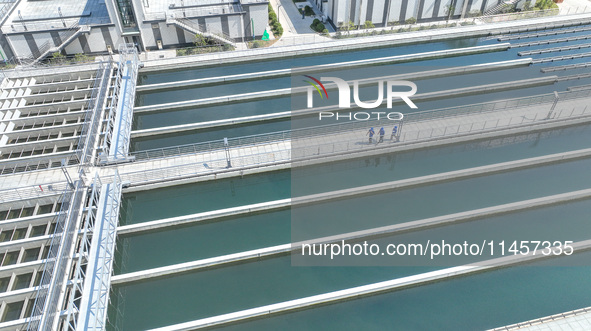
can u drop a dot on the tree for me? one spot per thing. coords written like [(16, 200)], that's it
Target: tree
[(57, 57), (527, 6), (347, 26), (449, 10), (81, 58), (200, 40)]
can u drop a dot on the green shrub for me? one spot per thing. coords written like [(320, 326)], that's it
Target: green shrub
[(527, 6), (545, 4), (411, 20), (258, 44), (57, 57), (368, 25), (308, 11), (274, 23), (476, 12), (200, 40), (317, 26), (81, 57)]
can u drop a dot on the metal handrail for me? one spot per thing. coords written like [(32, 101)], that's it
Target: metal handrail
[(88, 135), (318, 130), (50, 25), (216, 163), (32, 192), (45, 308), (202, 30), (490, 18), (80, 263), (128, 59)]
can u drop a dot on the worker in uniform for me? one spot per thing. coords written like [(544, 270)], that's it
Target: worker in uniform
[(371, 132)]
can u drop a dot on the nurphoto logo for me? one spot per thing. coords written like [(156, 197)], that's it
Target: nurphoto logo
[(345, 92)]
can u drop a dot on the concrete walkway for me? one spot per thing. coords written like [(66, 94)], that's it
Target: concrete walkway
[(568, 7), (579, 319), (281, 153), (296, 31)]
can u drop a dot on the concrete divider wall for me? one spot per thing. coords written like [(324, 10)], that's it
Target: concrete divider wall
[(264, 117), (488, 88), (367, 290), (356, 191), (246, 256), (338, 65)]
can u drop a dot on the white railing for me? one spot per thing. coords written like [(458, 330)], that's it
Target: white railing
[(80, 264), (434, 133), (48, 25), (189, 12), (484, 19), (200, 29), (92, 120), (293, 152), (95, 295), (493, 106), (31, 192), (116, 142), (522, 15), (46, 307)]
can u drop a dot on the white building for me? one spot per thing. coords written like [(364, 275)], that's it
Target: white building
[(381, 12), (33, 29)]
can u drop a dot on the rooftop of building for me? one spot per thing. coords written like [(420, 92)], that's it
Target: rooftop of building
[(159, 9), (55, 14)]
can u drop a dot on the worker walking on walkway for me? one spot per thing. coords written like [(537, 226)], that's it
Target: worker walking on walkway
[(371, 132), (394, 133), (382, 133)]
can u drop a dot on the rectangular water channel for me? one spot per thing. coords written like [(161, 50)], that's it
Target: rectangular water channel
[(476, 302), (236, 287), (188, 199), (236, 234)]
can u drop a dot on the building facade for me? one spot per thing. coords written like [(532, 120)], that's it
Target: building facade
[(32, 29), (382, 12)]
